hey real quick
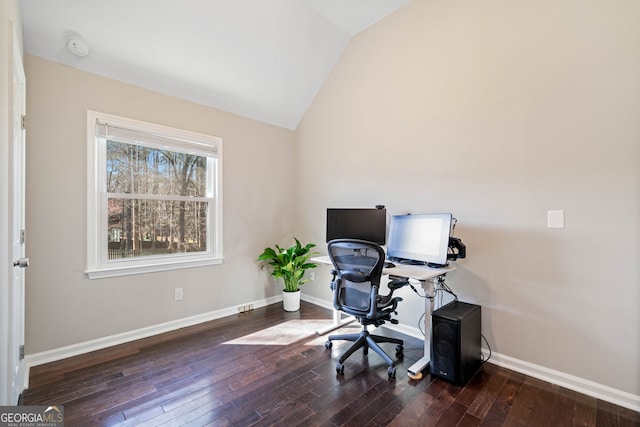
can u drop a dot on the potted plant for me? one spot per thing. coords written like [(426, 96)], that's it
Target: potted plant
[(290, 265)]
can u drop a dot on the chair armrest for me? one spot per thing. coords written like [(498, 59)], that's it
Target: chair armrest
[(397, 284)]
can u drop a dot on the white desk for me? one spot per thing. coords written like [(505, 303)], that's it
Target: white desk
[(427, 277)]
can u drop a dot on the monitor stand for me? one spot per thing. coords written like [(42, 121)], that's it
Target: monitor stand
[(405, 261), (434, 265)]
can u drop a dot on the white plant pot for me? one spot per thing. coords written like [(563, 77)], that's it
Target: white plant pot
[(291, 300)]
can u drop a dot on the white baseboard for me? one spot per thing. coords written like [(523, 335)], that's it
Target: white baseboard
[(562, 379), (581, 385), (60, 353), (411, 331), (317, 301)]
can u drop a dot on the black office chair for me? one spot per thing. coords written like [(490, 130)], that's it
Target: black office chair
[(356, 281)]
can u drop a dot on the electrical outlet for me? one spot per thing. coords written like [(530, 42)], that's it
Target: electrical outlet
[(178, 294), (312, 276)]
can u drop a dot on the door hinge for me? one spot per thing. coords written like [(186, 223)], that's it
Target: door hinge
[(24, 122), (21, 352), (23, 236)]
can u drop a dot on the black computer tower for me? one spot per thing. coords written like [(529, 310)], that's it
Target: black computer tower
[(455, 342)]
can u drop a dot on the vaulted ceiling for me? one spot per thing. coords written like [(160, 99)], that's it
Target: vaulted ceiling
[(262, 59)]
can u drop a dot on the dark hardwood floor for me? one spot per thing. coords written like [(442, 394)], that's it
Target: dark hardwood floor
[(189, 377)]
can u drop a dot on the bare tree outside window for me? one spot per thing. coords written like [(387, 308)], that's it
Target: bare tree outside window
[(143, 224)]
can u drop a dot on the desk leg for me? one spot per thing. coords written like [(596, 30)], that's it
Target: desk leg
[(338, 322), (415, 370)]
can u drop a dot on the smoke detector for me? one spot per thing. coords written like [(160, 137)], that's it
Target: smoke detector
[(78, 47)]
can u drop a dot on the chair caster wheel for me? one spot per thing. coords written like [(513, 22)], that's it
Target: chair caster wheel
[(391, 372), (340, 369), (328, 345), (399, 351)]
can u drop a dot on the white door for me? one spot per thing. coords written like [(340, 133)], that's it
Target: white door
[(17, 203)]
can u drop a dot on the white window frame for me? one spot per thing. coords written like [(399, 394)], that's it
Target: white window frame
[(98, 265)]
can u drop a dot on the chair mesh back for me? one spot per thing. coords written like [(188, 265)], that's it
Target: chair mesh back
[(355, 295), (359, 267)]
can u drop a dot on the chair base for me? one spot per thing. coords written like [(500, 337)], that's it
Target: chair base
[(367, 341)]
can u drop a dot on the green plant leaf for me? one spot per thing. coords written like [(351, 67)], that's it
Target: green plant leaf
[(289, 264)]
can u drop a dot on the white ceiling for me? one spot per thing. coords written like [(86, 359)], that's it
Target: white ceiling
[(263, 59)]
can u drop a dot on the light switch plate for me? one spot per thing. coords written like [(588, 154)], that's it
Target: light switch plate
[(555, 219)]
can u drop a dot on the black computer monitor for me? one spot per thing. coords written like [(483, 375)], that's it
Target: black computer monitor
[(363, 223), (420, 239)]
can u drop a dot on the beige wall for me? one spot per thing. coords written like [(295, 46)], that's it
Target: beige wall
[(499, 111), (63, 306)]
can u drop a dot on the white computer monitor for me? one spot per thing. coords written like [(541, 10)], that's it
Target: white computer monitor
[(419, 239)]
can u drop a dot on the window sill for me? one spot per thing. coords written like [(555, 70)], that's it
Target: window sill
[(127, 270)]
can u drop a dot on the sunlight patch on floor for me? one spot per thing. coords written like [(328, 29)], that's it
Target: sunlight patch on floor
[(286, 333)]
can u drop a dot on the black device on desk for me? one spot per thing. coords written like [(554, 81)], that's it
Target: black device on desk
[(457, 249), (357, 223)]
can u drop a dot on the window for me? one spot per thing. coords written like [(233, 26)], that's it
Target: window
[(153, 197)]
